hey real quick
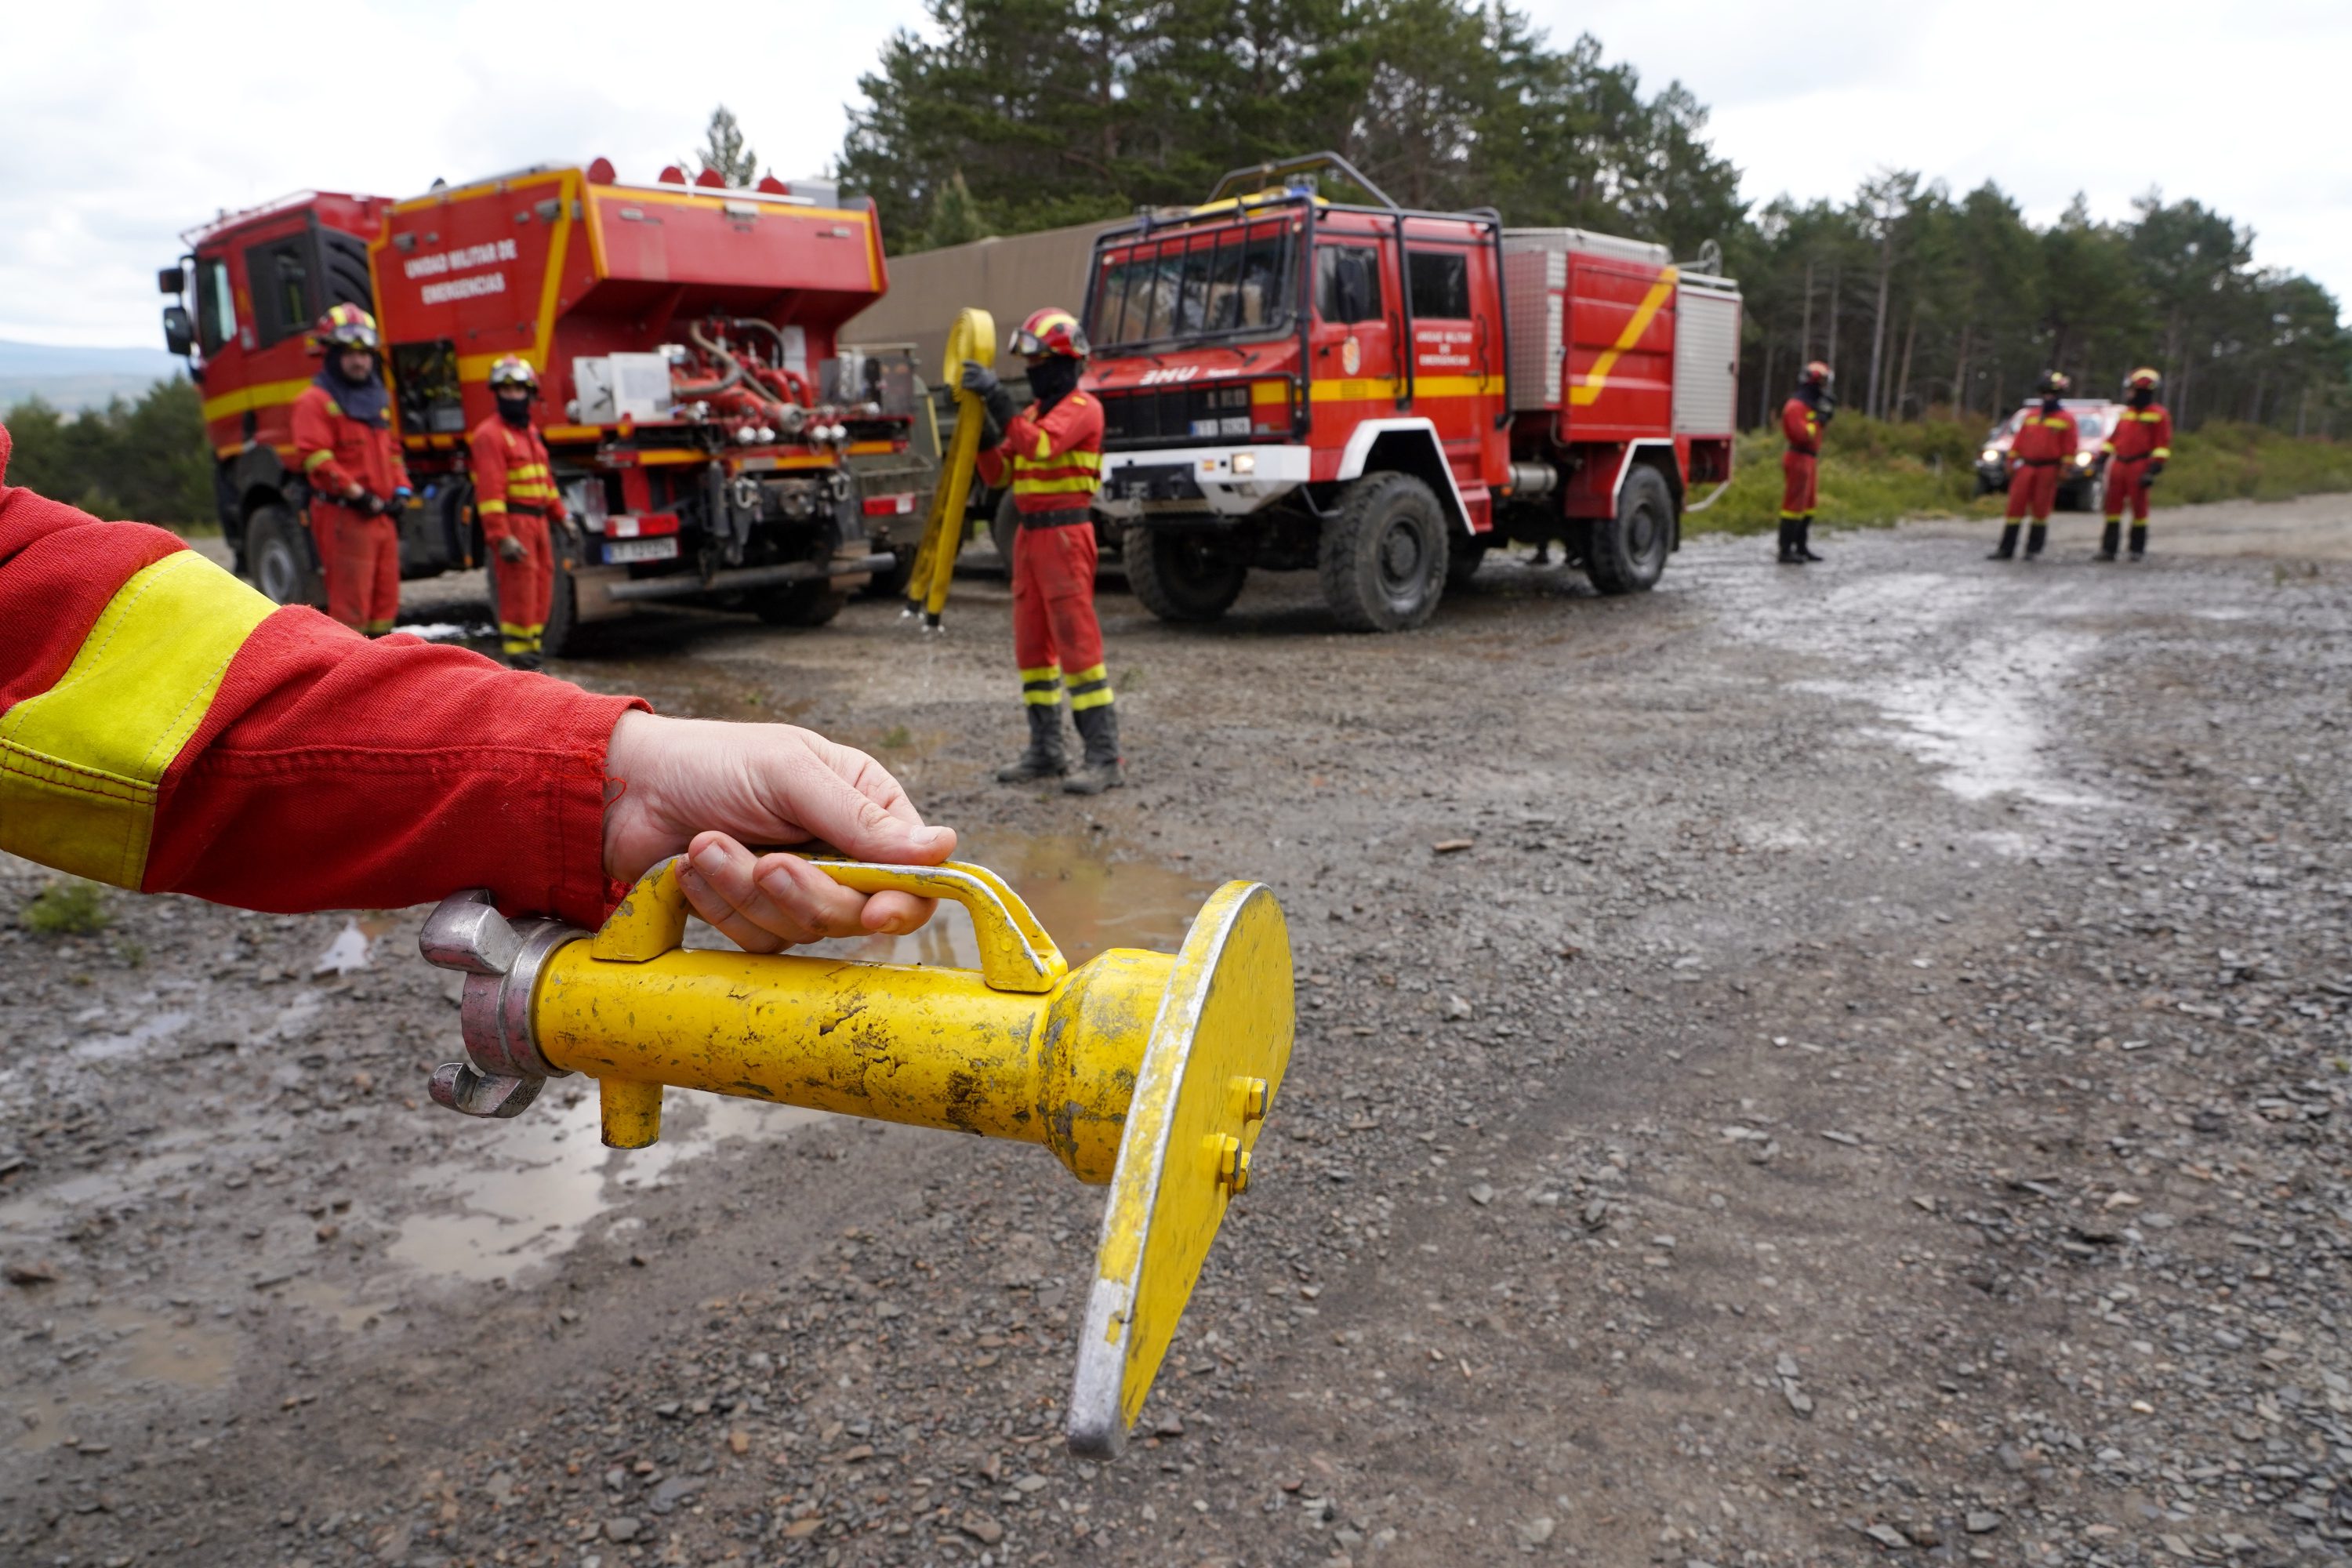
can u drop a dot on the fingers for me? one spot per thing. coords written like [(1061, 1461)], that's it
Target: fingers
[(762, 904), (849, 800)]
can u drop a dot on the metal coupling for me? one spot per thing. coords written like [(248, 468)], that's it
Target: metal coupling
[(502, 960)]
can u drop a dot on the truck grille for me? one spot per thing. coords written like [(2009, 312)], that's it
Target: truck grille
[(1176, 416)]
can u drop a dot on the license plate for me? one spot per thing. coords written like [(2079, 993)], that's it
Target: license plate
[(621, 551)]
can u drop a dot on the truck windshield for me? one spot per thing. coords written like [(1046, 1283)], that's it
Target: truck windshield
[(1234, 282)]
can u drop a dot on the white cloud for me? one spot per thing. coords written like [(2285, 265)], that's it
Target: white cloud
[(130, 121)]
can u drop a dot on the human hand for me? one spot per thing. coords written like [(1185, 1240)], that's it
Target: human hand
[(978, 378), (2153, 469), (702, 787), (367, 503), (510, 549)]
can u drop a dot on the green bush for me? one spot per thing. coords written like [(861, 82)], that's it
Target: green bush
[(67, 908)]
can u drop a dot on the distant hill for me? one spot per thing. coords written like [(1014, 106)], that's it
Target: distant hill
[(76, 378)]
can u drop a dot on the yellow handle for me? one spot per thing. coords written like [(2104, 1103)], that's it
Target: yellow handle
[(1015, 953)]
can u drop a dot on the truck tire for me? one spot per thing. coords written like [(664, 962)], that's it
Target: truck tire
[(892, 584), (281, 559), (1626, 553), (809, 604), (1462, 558), (1182, 574), (1383, 554)]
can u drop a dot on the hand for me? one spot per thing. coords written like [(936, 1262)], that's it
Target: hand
[(510, 549), (2153, 469), (978, 378), (703, 787), (367, 503), (400, 495)]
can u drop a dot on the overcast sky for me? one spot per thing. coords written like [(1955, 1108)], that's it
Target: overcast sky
[(129, 121)]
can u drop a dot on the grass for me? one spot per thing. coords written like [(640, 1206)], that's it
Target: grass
[(68, 908), (1874, 473)]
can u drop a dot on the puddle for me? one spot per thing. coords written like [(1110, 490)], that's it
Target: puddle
[(119, 1354), (137, 1038), (355, 945), (524, 1191)]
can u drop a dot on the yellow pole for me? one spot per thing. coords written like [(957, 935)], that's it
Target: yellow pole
[(974, 338)]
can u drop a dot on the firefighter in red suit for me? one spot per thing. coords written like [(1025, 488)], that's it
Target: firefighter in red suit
[(2046, 441), (349, 454), (1803, 419), (2136, 451), (1051, 453), (515, 497), (163, 727)]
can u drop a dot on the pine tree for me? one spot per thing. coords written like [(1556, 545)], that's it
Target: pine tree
[(723, 149)]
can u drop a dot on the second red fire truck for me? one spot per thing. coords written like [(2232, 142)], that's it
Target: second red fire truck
[(1381, 396)]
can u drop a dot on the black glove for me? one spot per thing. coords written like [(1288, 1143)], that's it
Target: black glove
[(978, 378), (367, 503), (1826, 410), (2154, 470)]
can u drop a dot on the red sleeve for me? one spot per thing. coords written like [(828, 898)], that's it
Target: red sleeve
[(2164, 433), (314, 444), (337, 772), (329, 771), (1797, 424), (489, 456)]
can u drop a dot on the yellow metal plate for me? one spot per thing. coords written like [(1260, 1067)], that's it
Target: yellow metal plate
[(1226, 1018)]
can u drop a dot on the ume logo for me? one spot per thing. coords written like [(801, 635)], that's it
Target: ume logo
[(1172, 373)]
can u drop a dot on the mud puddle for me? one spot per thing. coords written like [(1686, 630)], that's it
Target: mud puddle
[(103, 1361)]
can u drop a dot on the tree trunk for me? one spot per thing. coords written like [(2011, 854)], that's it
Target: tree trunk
[(1764, 389), (1960, 373), (1805, 333), (1837, 281), (1874, 400), (1903, 379)]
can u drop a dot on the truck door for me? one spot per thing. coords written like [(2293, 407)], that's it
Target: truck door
[(1355, 354), (1455, 350)]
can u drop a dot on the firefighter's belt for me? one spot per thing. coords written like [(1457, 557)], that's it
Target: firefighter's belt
[(1067, 518)]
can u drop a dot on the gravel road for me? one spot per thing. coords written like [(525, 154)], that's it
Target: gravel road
[(1874, 1086)]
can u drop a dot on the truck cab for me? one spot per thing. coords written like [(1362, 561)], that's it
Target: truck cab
[(1381, 394)]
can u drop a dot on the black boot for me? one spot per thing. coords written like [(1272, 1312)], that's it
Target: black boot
[(2139, 542), (1044, 758), (2007, 548), (1805, 539), (1787, 541), (1101, 769), (2035, 537), (2108, 539)]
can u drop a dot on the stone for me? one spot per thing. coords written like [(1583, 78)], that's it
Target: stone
[(622, 1527)]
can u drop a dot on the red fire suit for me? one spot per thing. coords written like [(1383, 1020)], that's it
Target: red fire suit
[(2142, 435), (164, 727), (2044, 444), (514, 495), (1055, 463), (361, 554), (1800, 464)]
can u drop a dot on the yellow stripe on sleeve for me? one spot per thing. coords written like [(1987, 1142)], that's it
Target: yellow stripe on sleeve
[(80, 763)]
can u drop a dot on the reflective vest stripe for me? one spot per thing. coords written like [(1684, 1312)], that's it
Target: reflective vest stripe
[(1083, 484), (80, 763), (1090, 688)]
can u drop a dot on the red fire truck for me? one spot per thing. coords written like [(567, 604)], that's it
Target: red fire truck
[(704, 431), (1380, 394)]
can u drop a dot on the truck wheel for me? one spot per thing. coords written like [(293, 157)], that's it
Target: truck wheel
[(1462, 558), (1626, 553), (892, 584), (1182, 574), (1383, 554), (281, 558), (809, 603)]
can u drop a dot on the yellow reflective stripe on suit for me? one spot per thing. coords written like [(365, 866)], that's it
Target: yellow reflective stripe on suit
[(1090, 688), (80, 763)]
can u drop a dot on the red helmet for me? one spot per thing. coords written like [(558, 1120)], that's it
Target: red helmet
[(1816, 373), (2141, 377), (1052, 331), (513, 371), (345, 327)]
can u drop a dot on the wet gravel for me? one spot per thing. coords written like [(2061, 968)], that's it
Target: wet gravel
[(1872, 1085)]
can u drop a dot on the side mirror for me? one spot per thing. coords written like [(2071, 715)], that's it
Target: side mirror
[(179, 333), (171, 280)]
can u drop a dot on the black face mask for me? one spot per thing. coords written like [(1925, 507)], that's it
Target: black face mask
[(2050, 404), (515, 411), (2142, 396), (1053, 378)]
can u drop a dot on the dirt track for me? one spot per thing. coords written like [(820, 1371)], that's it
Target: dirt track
[(1875, 1087)]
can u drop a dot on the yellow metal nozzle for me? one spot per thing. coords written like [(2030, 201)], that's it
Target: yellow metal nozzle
[(1150, 1071)]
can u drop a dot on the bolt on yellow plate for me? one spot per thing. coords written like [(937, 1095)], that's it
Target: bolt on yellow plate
[(1148, 1071)]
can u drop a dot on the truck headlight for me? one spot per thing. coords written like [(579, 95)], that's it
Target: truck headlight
[(2082, 460), (1244, 462), (1991, 454)]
